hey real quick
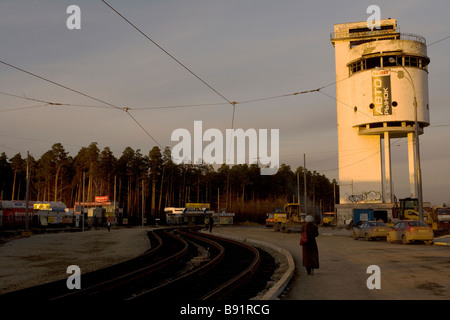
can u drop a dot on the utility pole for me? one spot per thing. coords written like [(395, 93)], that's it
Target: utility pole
[(116, 216), (143, 204), (115, 187), (334, 202), (304, 182), (27, 192), (334, 197), (298, 190), (82, 207)]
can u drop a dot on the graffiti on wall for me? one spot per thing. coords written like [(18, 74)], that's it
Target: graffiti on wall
[(364, 196)]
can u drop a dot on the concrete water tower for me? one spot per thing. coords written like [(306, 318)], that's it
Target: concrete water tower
[(381, 76)]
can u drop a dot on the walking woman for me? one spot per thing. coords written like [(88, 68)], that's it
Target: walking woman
[(309, 248)]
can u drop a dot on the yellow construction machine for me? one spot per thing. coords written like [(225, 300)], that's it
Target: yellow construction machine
[(288, 219), (408, 210)]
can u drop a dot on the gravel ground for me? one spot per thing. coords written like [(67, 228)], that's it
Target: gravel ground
[(43, 258)]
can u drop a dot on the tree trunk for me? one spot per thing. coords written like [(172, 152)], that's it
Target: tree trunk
[(153, 197), (56, 182), (129, 197), (161, 191), (14, 186)]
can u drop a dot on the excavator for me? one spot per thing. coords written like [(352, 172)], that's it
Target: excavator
[(408, 210), (288, 219)]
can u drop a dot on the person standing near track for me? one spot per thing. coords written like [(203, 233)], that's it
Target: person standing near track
[(309, 249), (211, 223)]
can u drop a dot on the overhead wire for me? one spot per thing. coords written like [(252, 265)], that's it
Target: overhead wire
[(166, 52), (26, 107), (23, 97), (48, 103), (360, 160), (169, 106), (180, 106), (346, 104), (109, 107), (124, 109), (33, 139), (60, 85), (438, 41), (246, 101), (440, 125), (279, 96), (233, 103)]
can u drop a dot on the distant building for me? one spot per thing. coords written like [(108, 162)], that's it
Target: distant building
[(375, 103)]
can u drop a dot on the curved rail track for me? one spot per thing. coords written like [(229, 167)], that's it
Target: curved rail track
[(181, 264), (230, 264)]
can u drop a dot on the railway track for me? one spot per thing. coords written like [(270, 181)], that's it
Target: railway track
[(229, 266), (181, 264)]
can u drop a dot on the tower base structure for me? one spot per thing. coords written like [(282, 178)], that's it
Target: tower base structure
[(381, 95)]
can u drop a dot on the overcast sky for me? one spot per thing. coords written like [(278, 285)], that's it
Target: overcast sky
[(244, 49)]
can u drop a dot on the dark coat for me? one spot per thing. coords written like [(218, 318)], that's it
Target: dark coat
[(310, 251)]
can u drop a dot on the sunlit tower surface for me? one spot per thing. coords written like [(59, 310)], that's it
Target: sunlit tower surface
[(381, 93)]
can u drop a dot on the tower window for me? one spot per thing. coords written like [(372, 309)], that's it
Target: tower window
[(387, 63), (359, 30), (383, 61), (412, 62), (373, 63)]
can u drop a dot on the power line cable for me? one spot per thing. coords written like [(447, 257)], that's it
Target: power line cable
[(60, 85), (279, 96), (171, 106), (27, 107), (180, 106), (35, 140), (109, 107), (125, 109), (23, 97), (143, 129), (184, 66), (166, 52), (5, 146), (50, 103), (208, 85), (177, 61), (345, 104), (438, 41), (440, 125)]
